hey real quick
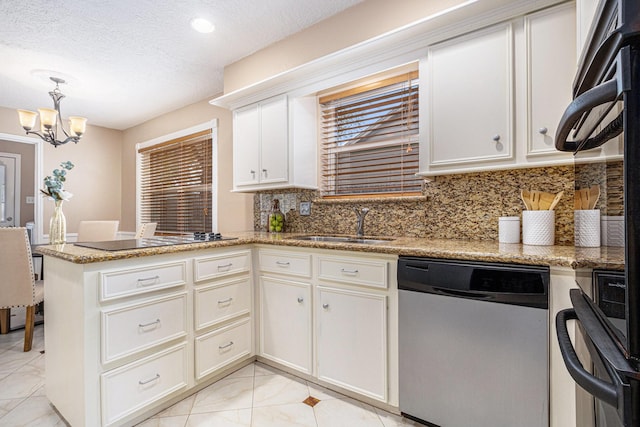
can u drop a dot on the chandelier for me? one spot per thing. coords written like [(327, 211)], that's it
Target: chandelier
[(50, 118)]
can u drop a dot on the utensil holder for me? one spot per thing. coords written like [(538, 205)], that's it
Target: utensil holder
[(587, 228), (509, 229), (612, 230), (538, 227)]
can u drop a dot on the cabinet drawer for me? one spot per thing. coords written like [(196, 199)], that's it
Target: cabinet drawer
[(222, 346), (220, 302), (136, 327), (354, 271), (212, 267), (282, 262), (134, 386), (132, 281)]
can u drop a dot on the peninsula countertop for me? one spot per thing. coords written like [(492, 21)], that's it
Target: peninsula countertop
[(605, 257)]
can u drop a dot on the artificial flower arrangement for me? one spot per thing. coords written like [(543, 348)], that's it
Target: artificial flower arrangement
[(55, 183)]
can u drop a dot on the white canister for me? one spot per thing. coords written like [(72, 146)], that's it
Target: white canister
[(612, 230), (538, 227), (509, 229), (587, 228)]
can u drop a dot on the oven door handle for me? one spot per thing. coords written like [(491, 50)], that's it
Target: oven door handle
[(602, 390), (603, 93)]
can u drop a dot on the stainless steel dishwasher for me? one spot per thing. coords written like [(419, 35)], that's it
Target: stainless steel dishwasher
[(473, 343)]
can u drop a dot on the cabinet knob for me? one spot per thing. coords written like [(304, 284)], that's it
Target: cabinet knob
[(264, 172), (543, 130), (253, 173), (496, 138), (300, 300), (325, 306)]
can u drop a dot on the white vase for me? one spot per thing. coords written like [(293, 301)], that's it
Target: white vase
[(57, 225)]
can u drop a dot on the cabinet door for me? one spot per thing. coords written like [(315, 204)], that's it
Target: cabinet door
[(470, 94), (285, 322), (274, 141), (551, 65), (351, 341), (246, 146)]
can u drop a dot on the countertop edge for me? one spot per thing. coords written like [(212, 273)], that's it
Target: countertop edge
[(611, 258)]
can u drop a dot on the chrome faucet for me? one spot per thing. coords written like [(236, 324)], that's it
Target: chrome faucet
[(361, 213)]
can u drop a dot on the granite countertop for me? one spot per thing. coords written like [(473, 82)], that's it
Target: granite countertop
[(478, 250)]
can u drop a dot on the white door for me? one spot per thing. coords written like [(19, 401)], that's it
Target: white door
[(9, 190)]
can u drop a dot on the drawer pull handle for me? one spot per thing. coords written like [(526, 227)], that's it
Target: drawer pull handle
[(344, 271), (147, 281), (222, 347), (225, 301), (225, 267), (283, 263), (141, 325), (300, 300), (157, 377), (325, 306)]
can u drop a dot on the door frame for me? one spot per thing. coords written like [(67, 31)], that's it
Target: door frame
[(17, 198), (38, 233)]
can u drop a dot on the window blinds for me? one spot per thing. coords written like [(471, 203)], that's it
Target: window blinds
[(370, 139), (175, 184)]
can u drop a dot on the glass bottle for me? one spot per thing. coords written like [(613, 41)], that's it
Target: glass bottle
[(276, 218)]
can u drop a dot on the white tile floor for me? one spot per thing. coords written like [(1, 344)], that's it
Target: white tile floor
[(254, 396)]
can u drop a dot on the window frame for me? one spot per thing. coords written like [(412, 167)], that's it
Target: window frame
[(213, 127)]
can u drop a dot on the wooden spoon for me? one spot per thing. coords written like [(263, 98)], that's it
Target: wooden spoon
[(525, 196), (577, 200), (556, 200), (584, 194), (535, 200), (594, 196)]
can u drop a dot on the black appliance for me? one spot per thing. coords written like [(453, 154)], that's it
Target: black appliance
[(153, 242), (608, 81)]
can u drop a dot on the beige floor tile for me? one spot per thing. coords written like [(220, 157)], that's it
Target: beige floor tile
[(181, 408), (291, 415), (22, 383), (32, 412), (392, 420), (175, 421), (225, 395), (247, 371), (279, 390), (238, 418), (345, 413)]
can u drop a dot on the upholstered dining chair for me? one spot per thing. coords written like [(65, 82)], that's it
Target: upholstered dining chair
[(97, 231), (18, 287), (147, 229)]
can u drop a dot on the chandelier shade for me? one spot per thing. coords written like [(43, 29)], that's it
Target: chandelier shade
[(51, 120)]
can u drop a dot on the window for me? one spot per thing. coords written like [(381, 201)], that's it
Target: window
[(176, 184), (370, 139)]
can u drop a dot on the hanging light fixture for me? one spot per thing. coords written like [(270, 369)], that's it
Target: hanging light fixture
[(50, 118)]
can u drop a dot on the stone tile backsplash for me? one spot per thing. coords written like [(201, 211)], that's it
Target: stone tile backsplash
[(463, 206)]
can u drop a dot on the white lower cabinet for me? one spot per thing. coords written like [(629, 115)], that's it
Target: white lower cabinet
[(134, 386), (285, 323), (144, 331), (352, 340), (220, 347), (332, 318)]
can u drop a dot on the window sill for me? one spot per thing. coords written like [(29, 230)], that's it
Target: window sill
[(386, 199)]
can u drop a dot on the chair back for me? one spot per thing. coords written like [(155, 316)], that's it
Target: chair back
[(147, 229), (17, 281), (97, 231)]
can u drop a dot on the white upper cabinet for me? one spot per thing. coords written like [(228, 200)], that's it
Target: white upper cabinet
[(551, 65), (274, 144), (260, 139), (470, 99)]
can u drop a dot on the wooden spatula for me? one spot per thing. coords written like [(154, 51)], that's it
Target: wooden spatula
[(594, 195), (526, 198), (535, 200), (577, 200), (556, 199), (584, 196)]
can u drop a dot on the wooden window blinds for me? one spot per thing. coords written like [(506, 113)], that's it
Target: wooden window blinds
[(370, 139), (175, 184)]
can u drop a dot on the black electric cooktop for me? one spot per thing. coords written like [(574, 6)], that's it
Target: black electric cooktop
[(153, 242)]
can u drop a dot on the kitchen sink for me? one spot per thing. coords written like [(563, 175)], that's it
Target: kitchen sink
[(342, 239)]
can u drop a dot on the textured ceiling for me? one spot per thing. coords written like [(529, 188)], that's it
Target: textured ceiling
[(131, 60)]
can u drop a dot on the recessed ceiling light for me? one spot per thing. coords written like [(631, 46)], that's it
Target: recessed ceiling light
[(201, 25)]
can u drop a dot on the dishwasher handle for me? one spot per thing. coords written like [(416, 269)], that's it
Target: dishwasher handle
[(462, 294)]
